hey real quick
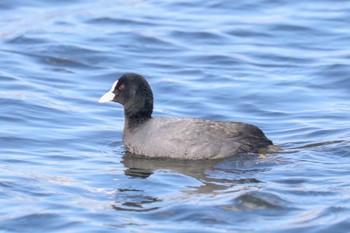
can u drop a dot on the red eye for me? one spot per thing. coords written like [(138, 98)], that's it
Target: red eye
[(121, 87)]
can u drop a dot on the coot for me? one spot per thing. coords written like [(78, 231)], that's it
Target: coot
[(178, 138)]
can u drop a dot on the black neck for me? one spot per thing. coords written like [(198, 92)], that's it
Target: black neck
[(133, 119), (140, 108)]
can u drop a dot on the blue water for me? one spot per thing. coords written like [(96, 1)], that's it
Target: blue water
[(281, 65)]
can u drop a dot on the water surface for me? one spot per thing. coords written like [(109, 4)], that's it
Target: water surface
[(281, 65)]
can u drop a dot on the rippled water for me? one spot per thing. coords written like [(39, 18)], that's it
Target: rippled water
[(281, 65)]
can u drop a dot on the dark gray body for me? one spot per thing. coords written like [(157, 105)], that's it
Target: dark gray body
[(184, 138)]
